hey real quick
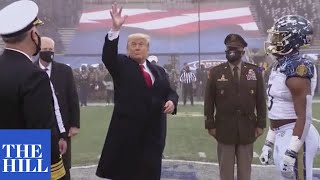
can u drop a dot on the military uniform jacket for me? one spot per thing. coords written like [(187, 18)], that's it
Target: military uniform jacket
[(26, 101), (235, 115)]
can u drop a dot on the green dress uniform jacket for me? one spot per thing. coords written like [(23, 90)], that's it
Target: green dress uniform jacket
[(235, 114)]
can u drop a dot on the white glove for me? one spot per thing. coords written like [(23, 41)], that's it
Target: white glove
[(287, 164), (266, 154)]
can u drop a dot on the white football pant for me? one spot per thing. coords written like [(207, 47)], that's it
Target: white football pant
[(304, 162)]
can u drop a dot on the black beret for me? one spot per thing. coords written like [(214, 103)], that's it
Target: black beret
[(235, 40)]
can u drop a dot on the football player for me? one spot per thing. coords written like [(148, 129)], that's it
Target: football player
[(291, 136)]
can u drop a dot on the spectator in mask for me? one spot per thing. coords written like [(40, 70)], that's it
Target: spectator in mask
[(66, 101)]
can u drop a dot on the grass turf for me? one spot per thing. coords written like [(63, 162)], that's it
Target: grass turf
[(185, 139)]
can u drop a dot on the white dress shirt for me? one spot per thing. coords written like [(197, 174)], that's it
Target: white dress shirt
[(146, 69), (55, 100), (49, 67), (112, 35)]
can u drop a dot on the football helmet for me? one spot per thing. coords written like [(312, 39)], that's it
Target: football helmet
[(288, 33), (153, 58)]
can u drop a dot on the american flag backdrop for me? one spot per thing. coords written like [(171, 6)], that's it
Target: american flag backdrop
[(174, 21), (171, 30)]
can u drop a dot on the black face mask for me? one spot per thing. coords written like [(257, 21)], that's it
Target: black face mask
[(47, 56), (233, 55), (38, 46)]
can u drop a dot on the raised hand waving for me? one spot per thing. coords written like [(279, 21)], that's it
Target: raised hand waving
[(117, 19)]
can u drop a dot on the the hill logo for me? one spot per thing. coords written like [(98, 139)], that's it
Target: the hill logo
[(25, 154)]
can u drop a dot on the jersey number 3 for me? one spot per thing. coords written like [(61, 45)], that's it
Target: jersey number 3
[(270, 98)]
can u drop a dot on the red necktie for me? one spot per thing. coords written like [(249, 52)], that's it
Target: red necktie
[(146, 75)]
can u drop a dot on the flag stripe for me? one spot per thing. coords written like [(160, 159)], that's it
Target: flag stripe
[(177, 22), (204, 25)]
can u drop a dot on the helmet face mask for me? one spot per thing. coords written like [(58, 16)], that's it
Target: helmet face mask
[(276, 41), (287, 34)]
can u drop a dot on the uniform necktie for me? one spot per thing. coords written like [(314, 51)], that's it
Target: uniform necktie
[(146, 75), (236, 78)]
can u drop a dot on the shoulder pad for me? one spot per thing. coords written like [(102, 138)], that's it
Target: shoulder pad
[(298, 68)]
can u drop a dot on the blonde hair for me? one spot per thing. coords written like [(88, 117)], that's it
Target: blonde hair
[(139, 36)]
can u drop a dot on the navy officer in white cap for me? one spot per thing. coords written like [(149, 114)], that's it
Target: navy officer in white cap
[(25, 93)]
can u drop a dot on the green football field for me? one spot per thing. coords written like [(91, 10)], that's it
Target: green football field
[(186, 139)]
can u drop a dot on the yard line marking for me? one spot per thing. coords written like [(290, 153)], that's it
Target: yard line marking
[(189, 114), (216, 164), (184, 161), (317, 120), (255, 155), (316, 101), (202, 155), (84, 167)]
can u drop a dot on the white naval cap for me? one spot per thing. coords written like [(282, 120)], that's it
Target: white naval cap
[(18, 17), (153, 58)]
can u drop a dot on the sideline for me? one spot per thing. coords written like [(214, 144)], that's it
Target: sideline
[(184, 161)]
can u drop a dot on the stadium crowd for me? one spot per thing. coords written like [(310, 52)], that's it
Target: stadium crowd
[(271, 10), (94, 83)]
